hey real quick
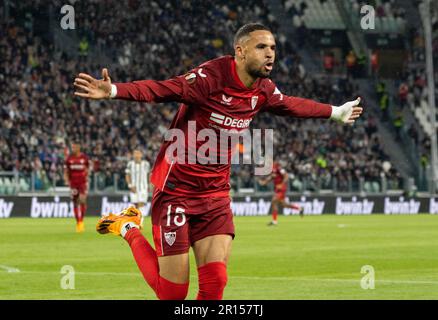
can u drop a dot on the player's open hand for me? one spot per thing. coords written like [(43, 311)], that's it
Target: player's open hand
[(93, 88), (348, 112)]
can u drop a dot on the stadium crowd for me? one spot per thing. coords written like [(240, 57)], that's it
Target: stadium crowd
[(40, 116), (412, 85)]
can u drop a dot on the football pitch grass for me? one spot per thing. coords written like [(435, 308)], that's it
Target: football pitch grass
[(318, 257)]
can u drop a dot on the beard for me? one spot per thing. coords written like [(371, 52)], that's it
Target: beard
[(257, 72)]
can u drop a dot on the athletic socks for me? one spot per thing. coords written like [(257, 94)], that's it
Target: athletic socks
[(294, 206), (274, 215), (83, 209), (212, 276), (147, 261), (168, 290), (275, 211), (212, 281), (77, 214)]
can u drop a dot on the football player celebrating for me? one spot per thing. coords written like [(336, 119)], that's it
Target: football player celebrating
[(191, 202), (76, 177)]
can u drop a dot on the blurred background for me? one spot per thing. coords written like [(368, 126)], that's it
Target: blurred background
[(324, 53)]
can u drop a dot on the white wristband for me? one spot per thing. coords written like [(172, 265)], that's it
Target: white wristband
[(336, 113), (113, 91)]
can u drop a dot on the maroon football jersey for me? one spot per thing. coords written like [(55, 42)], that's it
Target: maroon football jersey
[(77, 169), (278, 174), (213, 96)]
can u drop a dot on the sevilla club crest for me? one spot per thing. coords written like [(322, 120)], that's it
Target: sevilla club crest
[(170, 237)]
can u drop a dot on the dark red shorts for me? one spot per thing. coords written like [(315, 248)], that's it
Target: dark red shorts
[(78, 189), (280, 193), (178, 222)]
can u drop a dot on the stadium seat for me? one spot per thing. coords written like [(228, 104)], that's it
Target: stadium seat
[(401, 24), (422, 114), (322, 16), (23, 185), (8, 186), (2, 186)]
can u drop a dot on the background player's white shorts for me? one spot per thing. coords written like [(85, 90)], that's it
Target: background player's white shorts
[(141, 196)]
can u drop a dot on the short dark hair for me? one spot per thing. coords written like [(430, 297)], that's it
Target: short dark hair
[(246, 29)]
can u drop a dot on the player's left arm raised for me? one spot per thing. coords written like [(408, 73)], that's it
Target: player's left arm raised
[(284, 105), (187, 88)]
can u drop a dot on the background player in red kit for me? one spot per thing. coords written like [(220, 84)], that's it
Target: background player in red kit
[(280, 177), (76, 176), (191, 202)]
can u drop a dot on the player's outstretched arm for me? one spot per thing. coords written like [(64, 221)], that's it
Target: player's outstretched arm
[(189, 88), (306, 108), (296, 107), (92, 88)]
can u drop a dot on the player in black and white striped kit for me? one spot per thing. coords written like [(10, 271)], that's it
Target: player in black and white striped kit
[(137, 178)]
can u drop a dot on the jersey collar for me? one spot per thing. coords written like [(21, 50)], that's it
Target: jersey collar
[(238, 88)]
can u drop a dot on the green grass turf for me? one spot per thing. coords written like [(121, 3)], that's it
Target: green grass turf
[(318, 257)]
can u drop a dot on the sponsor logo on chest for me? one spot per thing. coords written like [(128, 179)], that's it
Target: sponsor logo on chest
[(228, 100), (229, 121), (76, 166)]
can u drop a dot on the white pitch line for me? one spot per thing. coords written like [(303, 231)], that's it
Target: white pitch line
[(9, 269), (334, 280), (130, 274)]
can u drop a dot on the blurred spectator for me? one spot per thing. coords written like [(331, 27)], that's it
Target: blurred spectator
[(329, 62), (413, 133), (351, 64), (403, 94), (398, 124), (83, 49), (361, 65), (375, 63), (384, 106)]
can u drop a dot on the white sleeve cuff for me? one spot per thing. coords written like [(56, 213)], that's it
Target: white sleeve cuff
[(336, 113), (113, 91)]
